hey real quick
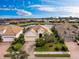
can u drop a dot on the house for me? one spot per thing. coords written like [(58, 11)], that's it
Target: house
[(10, 32), (35, 32), (3, 22)]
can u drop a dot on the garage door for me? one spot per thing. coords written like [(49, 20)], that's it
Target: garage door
[(8, 39)]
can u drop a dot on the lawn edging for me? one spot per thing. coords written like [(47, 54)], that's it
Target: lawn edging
[(52, 54)]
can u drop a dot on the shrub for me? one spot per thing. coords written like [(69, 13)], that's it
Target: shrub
[(7, 55), (17, 46), (64, 48), (56, 49), (19, 40), (40, 42), (51, 38), (49, 45), (77, 37), (61, 41)]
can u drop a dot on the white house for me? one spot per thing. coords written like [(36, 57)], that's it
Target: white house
[(35, 32), (10, 32)]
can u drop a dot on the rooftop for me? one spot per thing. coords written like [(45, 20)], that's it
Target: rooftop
[(10, 29)]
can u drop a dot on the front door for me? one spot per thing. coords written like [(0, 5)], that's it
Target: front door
[(40, 35)]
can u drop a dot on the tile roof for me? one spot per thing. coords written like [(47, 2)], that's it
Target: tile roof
[(37, 27), (10, 29)]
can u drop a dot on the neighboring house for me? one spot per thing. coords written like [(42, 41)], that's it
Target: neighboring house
[(10, 32), (3, 22), (35, 32)]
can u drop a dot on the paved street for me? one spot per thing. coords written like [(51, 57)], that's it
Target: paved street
[(3, 49), (74, 49), (49, 58)]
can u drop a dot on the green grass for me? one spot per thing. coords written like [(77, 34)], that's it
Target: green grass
[(37, 23), (52, 55), (48, 48), (44, 48), (33, 23)]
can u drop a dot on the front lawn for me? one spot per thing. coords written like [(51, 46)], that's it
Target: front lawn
[(52, 47), (50, 42)]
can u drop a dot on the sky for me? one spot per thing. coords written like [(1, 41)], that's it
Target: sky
[(38, 8)]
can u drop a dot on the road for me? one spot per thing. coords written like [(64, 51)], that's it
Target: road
[(49, 58), (74, 49)]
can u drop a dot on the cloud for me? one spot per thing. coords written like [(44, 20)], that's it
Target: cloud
[(21, 12), (71, 10), (8, 9), (49, 1), (45, 8), (53, 2), (67, 10)]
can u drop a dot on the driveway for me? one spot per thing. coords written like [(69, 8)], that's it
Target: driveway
[(29, 48), (3, 49), (74, 49)]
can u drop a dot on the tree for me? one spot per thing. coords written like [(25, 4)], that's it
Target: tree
[(60, 19)]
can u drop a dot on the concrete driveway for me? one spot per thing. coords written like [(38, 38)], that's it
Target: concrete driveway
[(74, 49), (29, 48), (3, 49)]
